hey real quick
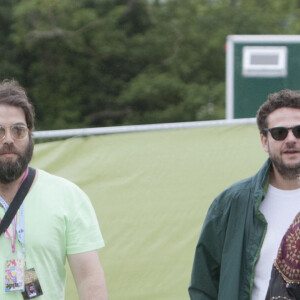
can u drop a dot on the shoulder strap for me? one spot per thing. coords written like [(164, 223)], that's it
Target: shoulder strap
[(17, 201)]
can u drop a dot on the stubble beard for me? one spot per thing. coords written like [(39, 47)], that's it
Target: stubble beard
[(289, 172), (10, 170)]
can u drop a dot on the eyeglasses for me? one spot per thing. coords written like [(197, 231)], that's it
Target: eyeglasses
[(280, 133), (18, 132)]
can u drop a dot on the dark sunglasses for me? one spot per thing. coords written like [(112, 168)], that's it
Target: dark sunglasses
[(280, 133)]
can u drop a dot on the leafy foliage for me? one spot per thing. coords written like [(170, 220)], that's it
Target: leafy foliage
[(111, 62)]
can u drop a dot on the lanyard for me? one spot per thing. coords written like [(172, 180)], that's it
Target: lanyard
[(18, 227), (12, 235)]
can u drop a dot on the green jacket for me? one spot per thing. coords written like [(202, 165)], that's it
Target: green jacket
[(230, 242)]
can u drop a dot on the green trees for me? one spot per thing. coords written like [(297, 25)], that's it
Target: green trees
[(111, 62)]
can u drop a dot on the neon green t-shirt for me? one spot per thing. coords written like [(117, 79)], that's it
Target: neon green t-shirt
[(59, 220)]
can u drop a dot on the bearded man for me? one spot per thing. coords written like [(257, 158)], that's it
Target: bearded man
[(55, 222), (249, 224)]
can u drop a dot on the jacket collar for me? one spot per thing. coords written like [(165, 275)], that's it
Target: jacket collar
[(261, 179)]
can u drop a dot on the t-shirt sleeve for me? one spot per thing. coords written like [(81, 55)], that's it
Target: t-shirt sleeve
[(83, 231)]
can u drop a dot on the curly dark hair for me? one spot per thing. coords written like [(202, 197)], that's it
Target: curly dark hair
[(284, 98), (11, 93)]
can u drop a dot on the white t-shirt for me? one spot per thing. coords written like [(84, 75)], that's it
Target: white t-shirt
[(279, 207)]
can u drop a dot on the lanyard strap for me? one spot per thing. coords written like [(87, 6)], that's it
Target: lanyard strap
[(17, 201), (20, 227), (12, 235)]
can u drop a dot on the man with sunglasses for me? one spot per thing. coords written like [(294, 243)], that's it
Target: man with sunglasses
[(55, 222), (246, 223)]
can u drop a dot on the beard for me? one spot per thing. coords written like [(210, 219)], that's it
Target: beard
[(11, 170), (288, 172)]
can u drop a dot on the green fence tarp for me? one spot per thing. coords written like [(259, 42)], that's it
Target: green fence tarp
[(151, 192)]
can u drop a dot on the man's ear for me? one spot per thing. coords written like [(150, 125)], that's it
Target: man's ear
[(264, 142)]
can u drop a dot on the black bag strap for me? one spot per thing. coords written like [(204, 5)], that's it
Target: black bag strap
[(17, 201)]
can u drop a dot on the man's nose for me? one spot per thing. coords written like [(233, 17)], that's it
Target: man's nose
[(290, 136), (7, 137)]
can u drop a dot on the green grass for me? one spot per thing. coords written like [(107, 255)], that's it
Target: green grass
[(151, 192)]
